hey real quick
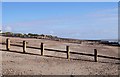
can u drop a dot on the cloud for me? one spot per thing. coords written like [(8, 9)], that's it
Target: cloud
[(0, 27), (7, 29), (52, 32)]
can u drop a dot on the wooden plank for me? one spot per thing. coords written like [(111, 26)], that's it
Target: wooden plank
[(108, 57)]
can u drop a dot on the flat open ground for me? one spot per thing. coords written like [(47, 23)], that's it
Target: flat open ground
[(14, 62)]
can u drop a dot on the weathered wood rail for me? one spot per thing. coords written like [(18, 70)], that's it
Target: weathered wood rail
[(68, 52)]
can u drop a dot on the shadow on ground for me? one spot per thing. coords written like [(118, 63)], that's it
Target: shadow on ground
[(14, 51)]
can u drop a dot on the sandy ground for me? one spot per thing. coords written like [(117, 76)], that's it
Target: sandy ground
[(14, 62)]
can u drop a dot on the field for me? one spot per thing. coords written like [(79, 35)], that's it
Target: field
[(14, 62)]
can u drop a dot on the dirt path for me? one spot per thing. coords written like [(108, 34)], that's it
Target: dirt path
[(23, 64)]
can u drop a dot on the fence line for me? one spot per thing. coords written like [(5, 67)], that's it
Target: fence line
[(95, 55)]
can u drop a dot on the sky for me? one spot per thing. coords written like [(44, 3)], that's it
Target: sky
[(79, 20), (60, 0)]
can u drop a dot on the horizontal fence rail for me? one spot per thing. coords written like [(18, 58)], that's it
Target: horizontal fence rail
[(68, 52)]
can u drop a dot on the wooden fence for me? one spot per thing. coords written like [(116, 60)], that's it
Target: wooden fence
[(95, 55)]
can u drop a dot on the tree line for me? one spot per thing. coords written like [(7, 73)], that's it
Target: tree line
[(29, 35)]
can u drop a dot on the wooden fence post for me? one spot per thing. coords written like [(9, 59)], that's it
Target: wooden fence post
[(95, 55), (68, 52), (42, 49), (24, 46), (8, 44)]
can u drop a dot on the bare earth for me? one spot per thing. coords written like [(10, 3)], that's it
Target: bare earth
[(14, 62)]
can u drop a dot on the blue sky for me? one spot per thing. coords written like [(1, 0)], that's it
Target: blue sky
[(80, 20)]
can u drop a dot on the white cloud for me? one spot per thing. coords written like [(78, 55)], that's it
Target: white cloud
[(52, 32), (8, 29), (0, 26)]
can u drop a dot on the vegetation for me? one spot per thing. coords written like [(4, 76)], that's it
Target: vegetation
[(50, 37), (41, 36), (29, 35)]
